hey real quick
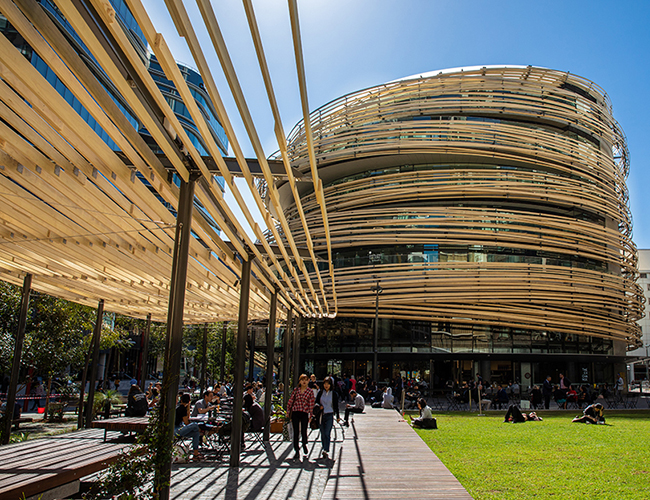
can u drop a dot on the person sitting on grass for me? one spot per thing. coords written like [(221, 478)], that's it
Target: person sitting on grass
[(425, 420), (515, 416), (592, 414), (358, 406)]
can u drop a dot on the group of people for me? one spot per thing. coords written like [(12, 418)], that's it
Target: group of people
[(309, 401), (564, 392)]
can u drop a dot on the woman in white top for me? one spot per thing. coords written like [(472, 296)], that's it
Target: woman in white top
[(387, 398), (328, 402)]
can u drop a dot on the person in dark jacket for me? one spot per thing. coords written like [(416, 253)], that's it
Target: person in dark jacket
[(536, 398), (547, 392), (328, 402), (257, 416), (136, 401), (501, 397)]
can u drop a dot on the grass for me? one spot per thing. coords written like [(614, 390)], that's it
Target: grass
[(550, 459)]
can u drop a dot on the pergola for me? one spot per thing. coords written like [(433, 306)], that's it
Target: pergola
[(82, 222)]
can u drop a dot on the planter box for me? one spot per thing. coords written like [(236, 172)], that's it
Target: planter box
[(276, 427)]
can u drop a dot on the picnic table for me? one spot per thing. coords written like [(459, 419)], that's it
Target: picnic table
[(53, 465), (122, 424)]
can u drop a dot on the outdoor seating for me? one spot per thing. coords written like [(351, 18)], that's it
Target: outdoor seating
[(122, 424), (22, 420), (631, 400), (437, 405), (52, 466), (452, 404), (258, 434)]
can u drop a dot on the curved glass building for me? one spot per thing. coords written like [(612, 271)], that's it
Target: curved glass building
[(490, 206)]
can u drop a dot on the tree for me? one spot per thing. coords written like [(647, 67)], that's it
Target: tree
[(10, 297), (57, 333)]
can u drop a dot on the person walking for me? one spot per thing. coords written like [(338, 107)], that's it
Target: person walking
[(328, 401), (547, 392), (300, 408)]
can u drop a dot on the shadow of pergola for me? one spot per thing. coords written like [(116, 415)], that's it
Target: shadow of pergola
[(260, 466)]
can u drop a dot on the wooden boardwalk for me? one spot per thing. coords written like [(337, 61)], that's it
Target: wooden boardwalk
[(383, 458), (32, 467)]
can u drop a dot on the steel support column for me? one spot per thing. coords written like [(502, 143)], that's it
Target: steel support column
[(240, 361), (174, 337), (222, 373), (251, 358), (296, 351), (286, 358), (270, 352), (203, 358), (94, 361), (18, 350), (145, 354), (84, 378)]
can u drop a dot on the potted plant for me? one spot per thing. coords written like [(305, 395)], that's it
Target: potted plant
[(279, 420)]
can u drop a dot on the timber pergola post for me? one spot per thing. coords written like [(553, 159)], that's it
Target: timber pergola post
[(93, 362), (240, 360), (82, 389), (174, 337), (18, 350), (286, 358), (224, 333), (145, 353), (251, 358), (204, 353), (270, 351), (296, 351)]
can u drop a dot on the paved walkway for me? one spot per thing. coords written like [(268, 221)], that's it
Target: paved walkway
[(377, 457), (265, 473)]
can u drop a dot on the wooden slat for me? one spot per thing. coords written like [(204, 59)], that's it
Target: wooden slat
[(33, 467), (382, 457)]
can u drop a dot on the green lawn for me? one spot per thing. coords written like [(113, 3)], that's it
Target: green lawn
[(550, 459)]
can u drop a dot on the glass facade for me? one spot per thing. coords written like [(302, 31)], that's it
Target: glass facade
[(355, 335), (135, 34)]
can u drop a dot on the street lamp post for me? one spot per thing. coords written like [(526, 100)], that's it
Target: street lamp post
[(377, 289), (647, 370)]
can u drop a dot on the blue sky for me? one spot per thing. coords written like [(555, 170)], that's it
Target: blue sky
[(352, 44)]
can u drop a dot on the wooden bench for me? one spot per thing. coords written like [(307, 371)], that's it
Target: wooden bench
[(22, 420), (54, 464), (122, 424)]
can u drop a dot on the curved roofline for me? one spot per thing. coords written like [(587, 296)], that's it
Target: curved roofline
[(460, 69)]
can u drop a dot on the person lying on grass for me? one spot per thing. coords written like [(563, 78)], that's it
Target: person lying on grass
[(592, 414), (515, 416)]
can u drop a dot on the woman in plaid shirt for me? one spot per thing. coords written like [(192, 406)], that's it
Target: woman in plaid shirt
[(300, 409)]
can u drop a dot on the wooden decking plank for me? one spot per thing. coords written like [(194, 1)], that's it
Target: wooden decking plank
[(46, 463), (383, 458), (47, 455)]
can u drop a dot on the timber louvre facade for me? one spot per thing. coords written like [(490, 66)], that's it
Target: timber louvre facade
[(491, 206)]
